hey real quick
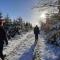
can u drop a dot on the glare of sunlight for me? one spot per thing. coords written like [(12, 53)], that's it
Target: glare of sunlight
[(43, 16)]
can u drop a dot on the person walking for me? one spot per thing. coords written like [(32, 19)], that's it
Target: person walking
[(3, 39), (36, 32)]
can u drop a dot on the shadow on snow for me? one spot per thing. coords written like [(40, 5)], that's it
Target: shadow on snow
[(28, 55)]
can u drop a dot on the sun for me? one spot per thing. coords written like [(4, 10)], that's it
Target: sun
[(43, 16)]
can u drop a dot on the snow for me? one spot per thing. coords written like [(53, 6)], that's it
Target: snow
[(48, 51), (23, 48)]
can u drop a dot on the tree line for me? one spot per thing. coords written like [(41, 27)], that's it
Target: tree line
[(15, 26)]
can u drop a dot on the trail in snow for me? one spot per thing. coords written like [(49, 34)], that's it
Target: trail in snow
[(22, 48)]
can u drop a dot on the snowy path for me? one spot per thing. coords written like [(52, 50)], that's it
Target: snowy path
[(21, 48)]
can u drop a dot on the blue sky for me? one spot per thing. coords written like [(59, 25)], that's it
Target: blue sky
[(16, 8), (23, 8)]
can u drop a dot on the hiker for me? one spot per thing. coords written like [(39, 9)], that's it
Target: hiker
[(36, 32), (3, 39)]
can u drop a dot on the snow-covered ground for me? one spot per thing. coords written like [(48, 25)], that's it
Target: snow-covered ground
[(48, 51), (23, 48)]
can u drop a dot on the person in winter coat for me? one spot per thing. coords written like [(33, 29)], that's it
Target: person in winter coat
[(3, 39), (36, 32)]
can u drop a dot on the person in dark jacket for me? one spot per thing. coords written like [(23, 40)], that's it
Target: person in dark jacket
[(3, 39), (36, 32)]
